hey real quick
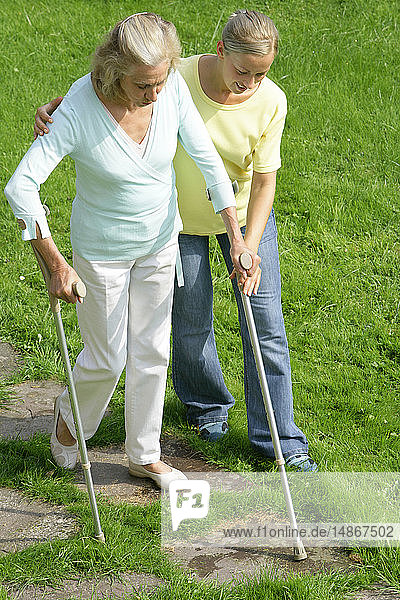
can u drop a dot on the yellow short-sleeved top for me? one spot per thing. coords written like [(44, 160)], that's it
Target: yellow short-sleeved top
[(247, 136)]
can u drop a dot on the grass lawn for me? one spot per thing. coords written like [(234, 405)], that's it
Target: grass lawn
[(338, 215)]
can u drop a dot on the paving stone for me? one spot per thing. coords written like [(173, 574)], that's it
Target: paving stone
[(109, 467), (377, 592), (225, 564), (24, 522), (10, 362), (31, 411), (93, 589)]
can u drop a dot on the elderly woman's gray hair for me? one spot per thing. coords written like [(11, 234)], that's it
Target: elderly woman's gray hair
[(250, 32), (143, 38)]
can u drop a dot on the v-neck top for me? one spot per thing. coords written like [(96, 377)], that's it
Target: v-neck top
[(125, 205), (138, 147)]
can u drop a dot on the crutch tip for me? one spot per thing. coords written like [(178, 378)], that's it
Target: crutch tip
[(100, 537), (299, 553)]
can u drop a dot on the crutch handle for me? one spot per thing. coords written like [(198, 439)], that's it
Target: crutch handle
[(79, 289), (245, 260)]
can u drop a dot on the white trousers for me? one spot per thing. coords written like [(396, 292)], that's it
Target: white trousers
[(125, 321)]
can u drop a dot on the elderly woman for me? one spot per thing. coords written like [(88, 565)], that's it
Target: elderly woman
[(120, 124)]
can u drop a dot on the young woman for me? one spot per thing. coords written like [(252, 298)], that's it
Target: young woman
[(244, 112), (120, 124)]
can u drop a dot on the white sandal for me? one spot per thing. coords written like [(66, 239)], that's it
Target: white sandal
[(64, 456)]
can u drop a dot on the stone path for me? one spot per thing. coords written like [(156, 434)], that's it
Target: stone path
[(92, 589), (225, 564), (377, 592), (31, 410), (24, 523), (9, 360)]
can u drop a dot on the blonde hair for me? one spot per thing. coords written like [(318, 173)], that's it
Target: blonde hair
[(250, 32), (142, 38)]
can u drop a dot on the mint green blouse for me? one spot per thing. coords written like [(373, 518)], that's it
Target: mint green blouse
[(125, 206)]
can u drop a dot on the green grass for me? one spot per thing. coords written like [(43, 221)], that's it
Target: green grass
[(338, 212)]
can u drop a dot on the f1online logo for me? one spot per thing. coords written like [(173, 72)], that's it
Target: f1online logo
[(189, 500)]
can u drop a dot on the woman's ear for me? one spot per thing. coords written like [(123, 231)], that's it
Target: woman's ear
[(220, 49)]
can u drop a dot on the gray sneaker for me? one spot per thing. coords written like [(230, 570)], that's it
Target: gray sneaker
[(212, 432), (302, 463)]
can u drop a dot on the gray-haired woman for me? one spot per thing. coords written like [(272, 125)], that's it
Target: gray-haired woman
[(121, 124)]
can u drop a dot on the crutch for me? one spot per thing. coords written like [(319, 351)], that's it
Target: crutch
[(80, 291), (299, 551)]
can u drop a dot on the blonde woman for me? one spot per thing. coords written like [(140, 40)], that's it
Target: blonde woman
[(120, 124), (244, 112)]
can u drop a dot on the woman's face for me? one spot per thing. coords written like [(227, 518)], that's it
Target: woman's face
[(144, 83), (243, 72)]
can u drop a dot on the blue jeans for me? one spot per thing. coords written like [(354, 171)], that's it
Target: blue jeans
[(196, 371)]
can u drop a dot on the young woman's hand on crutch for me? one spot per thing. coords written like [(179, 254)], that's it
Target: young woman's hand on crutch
[(261, 199)]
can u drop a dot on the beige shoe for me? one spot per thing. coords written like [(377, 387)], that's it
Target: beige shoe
[(64, 456), (161, 479)]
